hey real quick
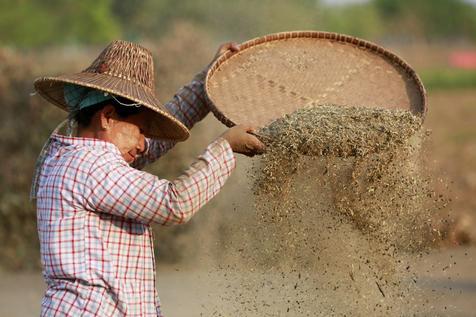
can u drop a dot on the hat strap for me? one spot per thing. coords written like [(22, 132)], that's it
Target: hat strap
[(135, 104)]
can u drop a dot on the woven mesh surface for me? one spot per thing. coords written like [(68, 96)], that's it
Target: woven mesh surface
[(280, 73)]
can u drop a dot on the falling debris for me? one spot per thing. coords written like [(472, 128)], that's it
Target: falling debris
[(341, 192)]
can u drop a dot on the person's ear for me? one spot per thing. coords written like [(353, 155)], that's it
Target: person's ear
[(107, 117)]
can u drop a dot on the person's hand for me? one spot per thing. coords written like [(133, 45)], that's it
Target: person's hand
[(242, 141), (229, 46)]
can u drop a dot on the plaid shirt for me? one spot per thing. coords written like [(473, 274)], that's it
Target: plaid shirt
[(94, 214)]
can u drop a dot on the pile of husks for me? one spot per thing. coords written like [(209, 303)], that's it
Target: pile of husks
[(331, 131), (327, 130)]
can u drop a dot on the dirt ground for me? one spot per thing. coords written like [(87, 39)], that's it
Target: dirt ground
[(447, 282)]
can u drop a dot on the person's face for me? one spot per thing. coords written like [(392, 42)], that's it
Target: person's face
[(128, 136), (127, 133)]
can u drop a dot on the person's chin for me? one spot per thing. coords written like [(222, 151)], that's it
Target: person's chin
[(128, 158)]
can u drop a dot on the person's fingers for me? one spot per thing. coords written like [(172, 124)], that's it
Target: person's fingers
[(254, 145), (234, 47), (229, 46), (222, 49), (250, 128), (244, 142)]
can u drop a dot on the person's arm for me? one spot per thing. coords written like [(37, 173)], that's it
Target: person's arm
[(121, 190), (189, 105)]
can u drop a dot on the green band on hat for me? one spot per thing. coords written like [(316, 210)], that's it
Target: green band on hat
[(79, 97)]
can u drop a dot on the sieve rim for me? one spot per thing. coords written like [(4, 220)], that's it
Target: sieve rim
[(320, 35)]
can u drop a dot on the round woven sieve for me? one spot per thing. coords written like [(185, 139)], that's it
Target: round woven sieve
[(279, 73)]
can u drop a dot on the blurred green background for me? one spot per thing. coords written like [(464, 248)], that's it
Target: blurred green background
[(33, 24), (49, 37)]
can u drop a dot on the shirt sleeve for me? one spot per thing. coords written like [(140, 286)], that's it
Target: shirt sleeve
[(121, 190), (189, 105)]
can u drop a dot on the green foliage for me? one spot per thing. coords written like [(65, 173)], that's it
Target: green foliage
[(29, 23), (357, 20), (239, 19), (23, 124), (433, 19), (446, 78), (33, 23)]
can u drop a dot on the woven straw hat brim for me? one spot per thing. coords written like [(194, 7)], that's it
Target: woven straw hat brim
[(162, 125), (275, 75)]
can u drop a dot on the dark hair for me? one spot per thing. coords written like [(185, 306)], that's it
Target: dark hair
[(83, 117)]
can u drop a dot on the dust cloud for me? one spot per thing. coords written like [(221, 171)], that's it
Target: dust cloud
[(342, 202)]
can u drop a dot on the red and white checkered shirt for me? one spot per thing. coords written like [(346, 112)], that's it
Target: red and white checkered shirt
[(94, 215)]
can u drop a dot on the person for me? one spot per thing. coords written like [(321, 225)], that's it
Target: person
[(95, 205)]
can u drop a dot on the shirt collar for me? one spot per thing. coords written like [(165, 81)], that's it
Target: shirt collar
[(56, 142), (63, 140)]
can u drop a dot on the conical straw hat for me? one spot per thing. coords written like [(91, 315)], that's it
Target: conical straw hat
[(123, 69), (277, 74)]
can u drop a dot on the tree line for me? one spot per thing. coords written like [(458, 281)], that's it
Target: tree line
[(37, 23)]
